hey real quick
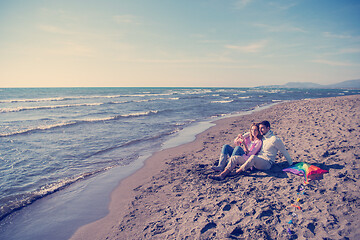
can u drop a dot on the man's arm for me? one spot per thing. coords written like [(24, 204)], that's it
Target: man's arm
[(281, 147)]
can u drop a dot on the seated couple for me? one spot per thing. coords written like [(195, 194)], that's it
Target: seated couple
[(259, 150)]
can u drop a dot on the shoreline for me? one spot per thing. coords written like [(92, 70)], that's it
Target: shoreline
[(147, 170), (92, 195), (160, 200), (125, 185)]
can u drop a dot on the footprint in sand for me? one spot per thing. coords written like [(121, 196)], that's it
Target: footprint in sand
[(208, 226), (236, 232), (227, 207)]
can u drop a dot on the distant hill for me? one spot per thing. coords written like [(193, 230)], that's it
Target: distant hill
[(350, 84)]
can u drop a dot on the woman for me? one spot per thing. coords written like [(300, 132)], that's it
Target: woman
[(251, 143)]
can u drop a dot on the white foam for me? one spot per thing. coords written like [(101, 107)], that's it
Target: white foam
[(223, 101), (58, 98), (18, 109)]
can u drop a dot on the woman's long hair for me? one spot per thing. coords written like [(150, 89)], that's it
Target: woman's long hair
[(259, 136)]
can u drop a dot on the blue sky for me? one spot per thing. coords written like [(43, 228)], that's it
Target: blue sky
[(198, 43)]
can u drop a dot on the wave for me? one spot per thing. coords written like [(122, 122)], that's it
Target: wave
[(38, 128), (32, 100), (190, 91), (17, 202), (18, 109), (134, 142), (144, 94), (148, 95), (139, 114), (154, 99), (58, 98), (76, 122), (222, 101)]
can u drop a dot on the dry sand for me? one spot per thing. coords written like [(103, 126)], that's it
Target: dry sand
[(172, 198)]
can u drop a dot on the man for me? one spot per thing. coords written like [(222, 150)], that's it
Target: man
[(265, 158)]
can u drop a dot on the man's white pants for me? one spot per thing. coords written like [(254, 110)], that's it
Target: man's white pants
[(253, 161)]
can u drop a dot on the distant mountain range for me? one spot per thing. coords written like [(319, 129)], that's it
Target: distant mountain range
[(350, 84)]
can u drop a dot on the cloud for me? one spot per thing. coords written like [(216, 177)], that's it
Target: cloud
[(54, 30), (178, 60), (279, 28), (334, 63), (341, 36), (283, 6), (59, 14), (332, 35), (251, 48), (215, 61), (341, 51), (126, 19), (242, 3), (72, 49), (350, 50)]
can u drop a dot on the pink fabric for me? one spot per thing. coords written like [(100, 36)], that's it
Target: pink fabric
[(254, 149)]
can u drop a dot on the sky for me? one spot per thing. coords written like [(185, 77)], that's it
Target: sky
[(173, 43)]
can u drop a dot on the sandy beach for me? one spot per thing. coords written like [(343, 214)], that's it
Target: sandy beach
[(171, 197)]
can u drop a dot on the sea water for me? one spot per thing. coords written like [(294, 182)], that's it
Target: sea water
[(53, 137)]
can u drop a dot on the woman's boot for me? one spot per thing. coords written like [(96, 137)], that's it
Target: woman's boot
[(222, 163)]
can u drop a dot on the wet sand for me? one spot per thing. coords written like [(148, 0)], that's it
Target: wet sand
[(171, 197)]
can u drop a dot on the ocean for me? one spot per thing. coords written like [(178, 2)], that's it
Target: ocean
[(52, 138)]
